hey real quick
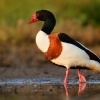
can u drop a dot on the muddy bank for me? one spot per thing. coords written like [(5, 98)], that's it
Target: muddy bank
[(46, 70), (27, 61)]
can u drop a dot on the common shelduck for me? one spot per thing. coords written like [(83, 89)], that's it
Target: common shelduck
[(61, 49)]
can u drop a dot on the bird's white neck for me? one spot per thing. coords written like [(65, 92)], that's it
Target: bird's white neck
[(42, 41)]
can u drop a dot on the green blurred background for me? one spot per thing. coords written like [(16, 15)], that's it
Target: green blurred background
[(80, 19), (84, 10)]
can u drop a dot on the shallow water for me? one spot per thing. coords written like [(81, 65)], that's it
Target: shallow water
[(47, 89)]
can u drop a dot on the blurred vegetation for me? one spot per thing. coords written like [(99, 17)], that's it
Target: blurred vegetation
[(92, 14), (14, 15), (18, 39), (88, 10)]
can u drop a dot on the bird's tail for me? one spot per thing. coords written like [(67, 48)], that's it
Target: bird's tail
[(94, 65)]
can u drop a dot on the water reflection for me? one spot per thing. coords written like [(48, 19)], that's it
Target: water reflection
[(81, 89)]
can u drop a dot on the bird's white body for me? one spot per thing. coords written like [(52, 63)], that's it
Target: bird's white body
[(42, 41), (71, 55)]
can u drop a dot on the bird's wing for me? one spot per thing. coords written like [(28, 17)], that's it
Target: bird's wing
[(65, 38)]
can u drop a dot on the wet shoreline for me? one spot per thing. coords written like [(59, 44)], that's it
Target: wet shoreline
[(40, 84), (42, 81)]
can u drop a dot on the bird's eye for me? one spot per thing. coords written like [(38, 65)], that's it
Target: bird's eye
[(37, 15)]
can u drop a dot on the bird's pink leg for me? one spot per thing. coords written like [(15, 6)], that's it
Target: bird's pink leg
[(82, 78), (67, 76)]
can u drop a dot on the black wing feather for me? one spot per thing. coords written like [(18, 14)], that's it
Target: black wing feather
[(65, 38)]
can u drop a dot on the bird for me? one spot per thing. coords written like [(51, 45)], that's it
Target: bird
[(61, 49)]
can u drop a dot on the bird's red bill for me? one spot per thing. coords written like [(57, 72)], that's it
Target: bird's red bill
[(34, 19)]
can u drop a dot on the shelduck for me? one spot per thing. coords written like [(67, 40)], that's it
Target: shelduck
[(61, 49)]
